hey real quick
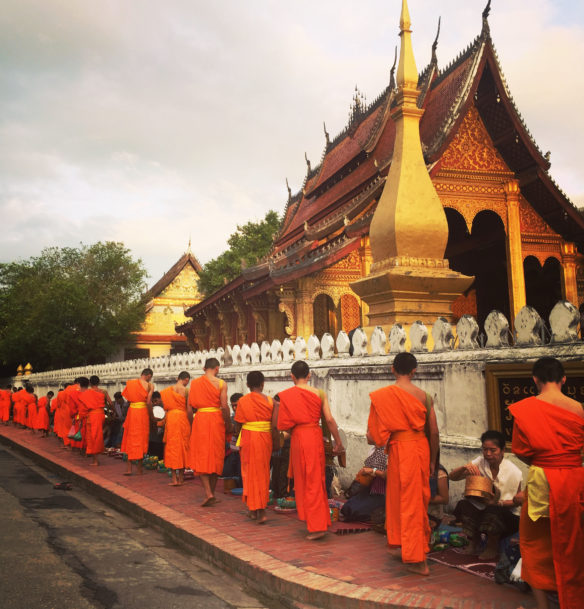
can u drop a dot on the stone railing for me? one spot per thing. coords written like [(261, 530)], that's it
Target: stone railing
[(453, 372), (530, 331)]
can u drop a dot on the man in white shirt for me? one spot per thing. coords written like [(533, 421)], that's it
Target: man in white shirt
[(499, 517)]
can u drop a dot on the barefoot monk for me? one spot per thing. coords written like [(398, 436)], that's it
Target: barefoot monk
[(137, 424), (208, 398), (256, 417), (398, 418), (177, 429)]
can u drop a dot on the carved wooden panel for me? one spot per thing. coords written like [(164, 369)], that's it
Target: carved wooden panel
[(350, 312), (472, 148)]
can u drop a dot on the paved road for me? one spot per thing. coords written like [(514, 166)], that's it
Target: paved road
[(66, 550)]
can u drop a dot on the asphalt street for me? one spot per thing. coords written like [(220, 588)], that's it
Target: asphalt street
[(65, 550)]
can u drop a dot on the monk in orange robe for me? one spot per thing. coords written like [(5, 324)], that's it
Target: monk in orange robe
[(137, 424), (397, 419), (29, 404), (300, 411), (73, 407), (177, 428), (5, 397), (42, 416), (548, 434), (208, 396), (93, 399), (17, 412), (63, 416), (256, 422)]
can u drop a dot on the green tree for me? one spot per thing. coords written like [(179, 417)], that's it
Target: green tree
[(70, 306), (249, 243)]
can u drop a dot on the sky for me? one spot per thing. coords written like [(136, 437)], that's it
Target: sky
[(153, 122)]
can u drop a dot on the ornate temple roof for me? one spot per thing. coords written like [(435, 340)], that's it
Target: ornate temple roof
[(324, 220), (186, 259)]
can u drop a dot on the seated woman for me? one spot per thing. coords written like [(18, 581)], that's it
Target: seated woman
[(499, 516), (361, 506), (438, 495)]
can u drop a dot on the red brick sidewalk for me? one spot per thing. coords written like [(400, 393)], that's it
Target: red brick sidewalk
[(344, 572)]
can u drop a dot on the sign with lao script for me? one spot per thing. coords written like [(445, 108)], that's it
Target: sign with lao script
[(509, 383)]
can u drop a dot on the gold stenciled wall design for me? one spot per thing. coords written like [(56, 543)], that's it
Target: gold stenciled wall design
[(169, 297)]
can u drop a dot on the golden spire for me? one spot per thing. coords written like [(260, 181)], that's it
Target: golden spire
[(409, 220), (409, 278), (189, 246), (407, 73)]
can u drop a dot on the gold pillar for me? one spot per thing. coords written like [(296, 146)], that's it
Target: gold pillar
[(569, 281), (515, 275), (304, 311), (366, 260)]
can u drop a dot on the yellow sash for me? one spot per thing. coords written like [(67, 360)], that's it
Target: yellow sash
[(138, 405), (254, 426), (210, 409)]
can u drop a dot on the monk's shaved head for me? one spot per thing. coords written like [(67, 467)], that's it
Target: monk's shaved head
[(211, 363), (548, 370), (404, 363), (300, 369), (255, 379)]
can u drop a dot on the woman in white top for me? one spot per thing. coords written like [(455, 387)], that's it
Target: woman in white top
[(498, 518)]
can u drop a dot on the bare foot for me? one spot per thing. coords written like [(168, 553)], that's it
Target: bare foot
[(127, 473), (252, 515), (316, 535), (261, 516), (94, 464), (209, 502), (264, 519), (395, 553), (419, 568), (173, 484)]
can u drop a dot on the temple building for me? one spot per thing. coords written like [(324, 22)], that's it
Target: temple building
[(167, 300), (510, 226)]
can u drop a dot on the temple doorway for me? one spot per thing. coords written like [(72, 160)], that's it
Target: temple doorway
[(543, 285), (325, 315), (481, 253)]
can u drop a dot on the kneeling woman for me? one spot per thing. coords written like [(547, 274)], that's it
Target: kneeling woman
[(372, 495)]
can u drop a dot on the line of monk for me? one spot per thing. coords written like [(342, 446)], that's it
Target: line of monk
[(548, 435)]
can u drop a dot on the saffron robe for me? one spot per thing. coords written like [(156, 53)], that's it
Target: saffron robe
[(42, 415), (396, 419), (551, 548), (17, 413), (74, 406), (255, 449), (137, 423), (29, 407), (92, 411), (5, 395), (300, 412), (207, 443), (64, 417), (177, 429)]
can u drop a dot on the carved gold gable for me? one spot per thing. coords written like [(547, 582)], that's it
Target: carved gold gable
[(472, 148), (184, 285)]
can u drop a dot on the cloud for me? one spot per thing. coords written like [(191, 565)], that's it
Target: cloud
[(148, 122)]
